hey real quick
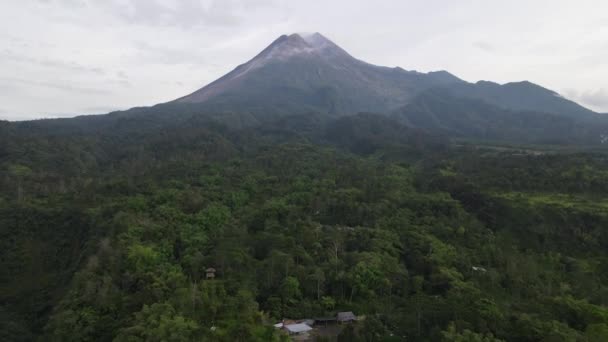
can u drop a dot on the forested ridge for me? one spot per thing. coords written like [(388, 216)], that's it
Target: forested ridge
[(107, 232)]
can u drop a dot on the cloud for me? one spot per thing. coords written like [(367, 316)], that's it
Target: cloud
[(485, 46), (596, 99), (99, 109), (14, 116), (166, 55), (9, 55), (59, 85), (178, 13)]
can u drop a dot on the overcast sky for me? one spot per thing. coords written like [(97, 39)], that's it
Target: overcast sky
[(67, 57)]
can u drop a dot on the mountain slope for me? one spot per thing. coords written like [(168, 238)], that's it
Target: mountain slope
[(523, 96), (438, 110), (309, 72), (302, 73)]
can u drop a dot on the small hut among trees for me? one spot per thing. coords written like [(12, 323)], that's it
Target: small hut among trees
[(210, 273), (346, 317)]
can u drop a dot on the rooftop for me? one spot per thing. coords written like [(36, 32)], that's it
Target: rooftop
[(297, 328), (346, 316)]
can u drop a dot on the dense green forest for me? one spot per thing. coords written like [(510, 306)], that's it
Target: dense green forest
[(107, 232)]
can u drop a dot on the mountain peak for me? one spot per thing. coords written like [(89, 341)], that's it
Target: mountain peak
[(301, 44), (315, 39), (293, 39)]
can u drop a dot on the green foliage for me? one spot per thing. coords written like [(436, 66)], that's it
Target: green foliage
[(159, 322), (102, 242), (452, 335), (596, 332)]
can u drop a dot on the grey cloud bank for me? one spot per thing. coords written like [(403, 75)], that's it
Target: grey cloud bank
[(597, 99), (73, 56)]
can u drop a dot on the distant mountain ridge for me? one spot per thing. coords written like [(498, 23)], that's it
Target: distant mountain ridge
[(524, 96), (440, 111)]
